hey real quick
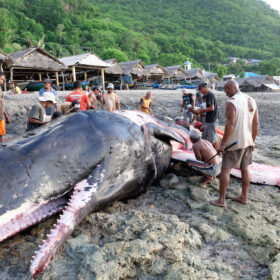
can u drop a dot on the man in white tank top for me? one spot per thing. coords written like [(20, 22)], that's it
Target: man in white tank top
[(242, 125)]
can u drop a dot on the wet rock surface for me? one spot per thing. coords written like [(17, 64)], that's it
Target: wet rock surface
[(169, 232)]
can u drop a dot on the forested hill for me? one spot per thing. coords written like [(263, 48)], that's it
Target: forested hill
[(163, 31)]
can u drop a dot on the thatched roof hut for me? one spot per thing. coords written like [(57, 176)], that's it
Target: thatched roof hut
[(195, 74), (36, 59), (176, 72), (5, 59), (134, 67), (33, 61), (156, 70), (115, 68)]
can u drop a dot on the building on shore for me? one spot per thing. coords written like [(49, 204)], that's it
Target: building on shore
[(156, 73), (176, 74), (33, 65), (114, 74), (134, 72), (85, 65)]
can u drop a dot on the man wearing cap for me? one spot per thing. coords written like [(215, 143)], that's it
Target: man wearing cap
[(37, 116), (79, 95), (110, 100), (146, 103), (242, 125), (187, 105), (211, 110), (203, 151), (48, 88)]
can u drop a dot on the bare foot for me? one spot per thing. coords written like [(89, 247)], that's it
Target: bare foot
[(207, 180), (240, 200), (218, 203)]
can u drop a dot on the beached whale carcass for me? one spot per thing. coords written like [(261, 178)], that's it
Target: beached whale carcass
[(78, 164)]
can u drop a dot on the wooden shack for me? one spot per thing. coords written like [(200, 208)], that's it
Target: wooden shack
[(87, 63), (32, 63), (155, 72), (195, 74), (114, 74), (133, 71), (176, 73), (4, 60)]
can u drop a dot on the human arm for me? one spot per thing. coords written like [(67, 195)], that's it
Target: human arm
[(192, 101), (117, 103), (35, 121), (230, 121), (255, 125), (8, 120), (87, 101)]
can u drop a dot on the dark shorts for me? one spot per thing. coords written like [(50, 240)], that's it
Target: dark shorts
[(238, 159), (210, 133)]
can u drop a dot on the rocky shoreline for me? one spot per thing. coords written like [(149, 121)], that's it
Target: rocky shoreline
[(171, 231)]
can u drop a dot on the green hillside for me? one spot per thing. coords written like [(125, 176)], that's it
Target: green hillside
[(168, 32)]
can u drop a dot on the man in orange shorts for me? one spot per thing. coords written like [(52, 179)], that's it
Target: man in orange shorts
[(3, 115)]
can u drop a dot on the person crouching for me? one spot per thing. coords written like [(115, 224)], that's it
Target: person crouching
[(203, 151)]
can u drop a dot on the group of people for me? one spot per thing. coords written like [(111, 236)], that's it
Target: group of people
[(47, 107), (241, 128)]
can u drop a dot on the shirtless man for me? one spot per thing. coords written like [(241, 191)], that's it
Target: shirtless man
[(203, 151), (110, 100)]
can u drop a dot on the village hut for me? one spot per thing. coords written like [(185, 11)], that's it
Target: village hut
[(114, 74), (133, 71), (156, 72), (32, 62), (195, 75), (176, 73), (259, 83), (87, 63), (4, 60)]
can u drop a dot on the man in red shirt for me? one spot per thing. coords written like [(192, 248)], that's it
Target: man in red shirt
[(79, 95)]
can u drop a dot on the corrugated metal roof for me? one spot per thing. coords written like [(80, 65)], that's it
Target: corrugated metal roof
[(85, 59)]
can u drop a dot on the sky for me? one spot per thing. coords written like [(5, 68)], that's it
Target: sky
[(275, 4)]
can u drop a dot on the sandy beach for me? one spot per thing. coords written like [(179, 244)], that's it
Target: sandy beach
[(171, 231)]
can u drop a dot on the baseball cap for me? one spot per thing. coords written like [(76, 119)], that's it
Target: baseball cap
[(202, 85), (184, 91), (47, 96), (47, 81), (197, 125)]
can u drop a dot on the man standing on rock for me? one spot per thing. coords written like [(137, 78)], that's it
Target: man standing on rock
[(211, 110), (242, 125)]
